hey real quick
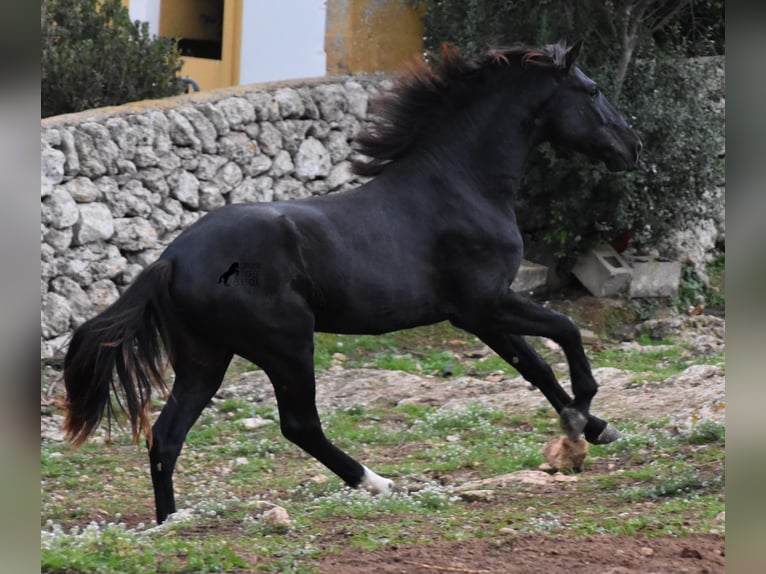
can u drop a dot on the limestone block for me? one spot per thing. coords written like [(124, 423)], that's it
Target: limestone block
[(289, 188), (289, 102), (124, 135), (185, 188), (59, 210), (208, 166), (312, 160), (228, 177), (310, 110), (133, 234), (51, 165), (133, 199), (530, 276), (102, 293), (293, 133), (82, 190), (339, 175), (655, 277), (210, 197), (59, 239), (78, 299), (55, 315), (95, 223), (603, 272), (204, 128), (266, 108), (337, 145), (68, 147), (282, 165), (215, 117), (263, 163), (103, 153), (169, 162), (237, 147), (357, 99), (269, 139), (252, 190), (331, 101), (237, 111)]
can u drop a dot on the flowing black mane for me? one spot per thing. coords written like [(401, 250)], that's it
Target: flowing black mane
[(430, 85)]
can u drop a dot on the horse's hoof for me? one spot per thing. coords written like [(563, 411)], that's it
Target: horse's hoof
[(572, 423), (376, 484), (609, 434)]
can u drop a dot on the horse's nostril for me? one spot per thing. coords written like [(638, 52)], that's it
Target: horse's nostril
[(639, 147)]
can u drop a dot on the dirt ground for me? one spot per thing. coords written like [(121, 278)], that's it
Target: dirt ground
[(535, 553), (698, 393)]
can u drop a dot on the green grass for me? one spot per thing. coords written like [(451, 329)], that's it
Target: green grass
[(87, 495)]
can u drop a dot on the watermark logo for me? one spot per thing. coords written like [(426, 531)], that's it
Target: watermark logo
[(241, 274)]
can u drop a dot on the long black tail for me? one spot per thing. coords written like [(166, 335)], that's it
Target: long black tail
[(126, 339)]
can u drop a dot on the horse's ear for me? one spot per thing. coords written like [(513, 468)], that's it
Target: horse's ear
[(571, 55)]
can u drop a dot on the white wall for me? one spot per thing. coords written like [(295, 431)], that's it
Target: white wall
[(146, 11), (282, 40)]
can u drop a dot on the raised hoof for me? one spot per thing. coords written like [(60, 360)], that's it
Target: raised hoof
[(572, 423), (609, 434)]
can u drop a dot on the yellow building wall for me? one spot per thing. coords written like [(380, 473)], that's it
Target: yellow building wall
[(371, 35), (183, 18), (361, 36)]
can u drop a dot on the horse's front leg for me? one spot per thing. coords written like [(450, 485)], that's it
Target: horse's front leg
[(501, 324), (522, 356)]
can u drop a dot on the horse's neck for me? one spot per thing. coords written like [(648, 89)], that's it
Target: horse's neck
[(482, 154)]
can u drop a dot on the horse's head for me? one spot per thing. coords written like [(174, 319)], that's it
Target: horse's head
[(579, 116)]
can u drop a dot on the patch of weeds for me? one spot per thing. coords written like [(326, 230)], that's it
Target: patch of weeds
[(232, 405), (475, 436), (420, 350), (359, 504), (110, 547), (692, 290), (359, 429), (707, 432), (658, 365), (672, 485)]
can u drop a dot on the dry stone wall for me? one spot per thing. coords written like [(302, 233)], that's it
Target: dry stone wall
[(119, 184)]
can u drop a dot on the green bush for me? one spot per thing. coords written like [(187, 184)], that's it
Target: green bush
[(94, 56), (571, 205)]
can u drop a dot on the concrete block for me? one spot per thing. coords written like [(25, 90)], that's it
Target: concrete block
[(655, 277), (530, 276), (603, 272)]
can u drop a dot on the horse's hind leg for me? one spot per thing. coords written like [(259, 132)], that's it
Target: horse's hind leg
[(289, 364), (199, 373), (522, 356)]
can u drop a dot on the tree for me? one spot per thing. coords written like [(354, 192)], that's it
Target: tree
[(93, 56), (613, 30), (638, 50)]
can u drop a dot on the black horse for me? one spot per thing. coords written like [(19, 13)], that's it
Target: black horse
[(432, 237)]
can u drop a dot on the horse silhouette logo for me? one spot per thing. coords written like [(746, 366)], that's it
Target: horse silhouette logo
[(232, 270)]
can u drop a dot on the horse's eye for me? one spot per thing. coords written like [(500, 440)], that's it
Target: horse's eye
[(594, 92)]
